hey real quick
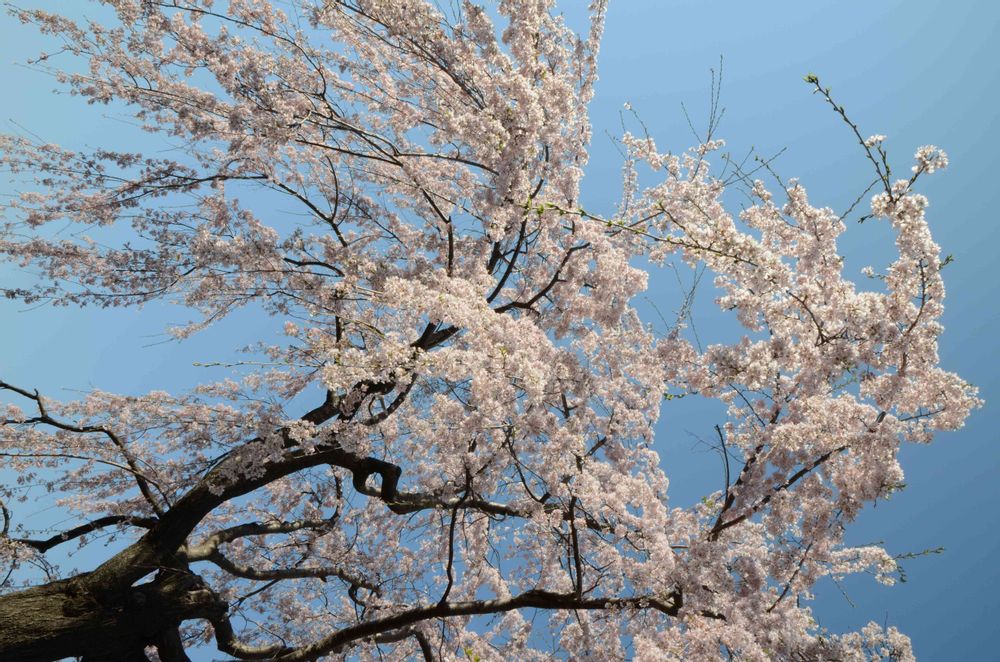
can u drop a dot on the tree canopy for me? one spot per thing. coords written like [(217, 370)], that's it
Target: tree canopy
[(450, 453)]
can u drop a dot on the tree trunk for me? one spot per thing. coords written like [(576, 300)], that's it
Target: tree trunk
[(67, 619)]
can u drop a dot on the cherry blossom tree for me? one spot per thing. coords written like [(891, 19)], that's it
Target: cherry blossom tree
[(449, 453)]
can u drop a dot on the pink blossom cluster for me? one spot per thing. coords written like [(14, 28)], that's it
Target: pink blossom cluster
[(475, 335)]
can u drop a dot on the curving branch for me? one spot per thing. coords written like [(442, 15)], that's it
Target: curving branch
[(537, 599), (248, 572), (226, 641), (392, 637), (94, 525), (211, 543)]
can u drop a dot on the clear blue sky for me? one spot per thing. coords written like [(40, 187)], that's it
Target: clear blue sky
[(918, 71)]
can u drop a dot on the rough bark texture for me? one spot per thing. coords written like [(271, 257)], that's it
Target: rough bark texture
[(69, 618)]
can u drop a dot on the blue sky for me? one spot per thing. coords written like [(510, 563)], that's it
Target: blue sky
[(920, 72)]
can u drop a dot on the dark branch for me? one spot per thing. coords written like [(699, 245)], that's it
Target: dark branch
[(670, 605), (100, 523)]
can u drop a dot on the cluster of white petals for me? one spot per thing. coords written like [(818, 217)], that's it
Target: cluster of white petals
[(930, 158), (474, 469)]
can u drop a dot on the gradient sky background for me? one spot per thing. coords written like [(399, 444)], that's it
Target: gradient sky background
[(918, 71)]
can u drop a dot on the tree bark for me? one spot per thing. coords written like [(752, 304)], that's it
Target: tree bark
[(66, 618)]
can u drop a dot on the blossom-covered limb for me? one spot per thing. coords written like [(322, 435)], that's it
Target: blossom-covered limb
[(531, 599), (43, 417)]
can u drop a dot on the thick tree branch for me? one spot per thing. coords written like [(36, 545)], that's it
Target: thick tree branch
[(670, 605), (211, 543)]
